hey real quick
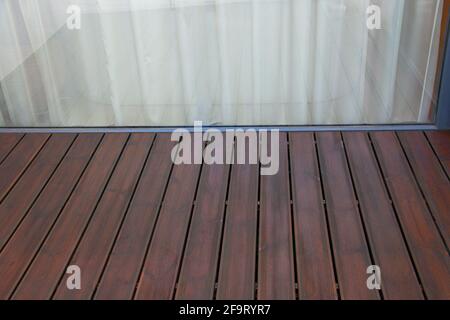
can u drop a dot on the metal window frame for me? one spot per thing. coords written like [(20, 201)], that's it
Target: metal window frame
[(443, 105)]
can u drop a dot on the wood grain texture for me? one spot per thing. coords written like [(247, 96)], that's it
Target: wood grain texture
[(312, 243), (198, 272), (427, 248), (197, 276), (432, 179), (276, 272), (349, 244), (48, 267), (26, 240), (7, 143), (389, 250), (238, 258), (21, 197), (160, 271), (124, 265), (18, 160), (440, 141), (94, 248), (142, 227)]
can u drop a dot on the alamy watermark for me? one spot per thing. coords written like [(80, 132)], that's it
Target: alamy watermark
[(232, 146), (373, 21), (373, 15), (374, 279), (73, 281), (73, 22)]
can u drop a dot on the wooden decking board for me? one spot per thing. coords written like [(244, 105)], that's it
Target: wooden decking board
[(22, 195), (351, 251), (388, 248), (7, 143), (276, 272), (18, 160), (94, 248), (162, 263), (427, 247), (47, 268), (432, 179), (26, 240), (440, 141), (198, 271), (314, 260), (141, 227), (122, 271), (238, 256)]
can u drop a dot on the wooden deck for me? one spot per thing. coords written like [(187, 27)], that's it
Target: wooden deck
[(140, 227)]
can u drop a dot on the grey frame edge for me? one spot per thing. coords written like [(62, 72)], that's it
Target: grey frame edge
[(443, 106)]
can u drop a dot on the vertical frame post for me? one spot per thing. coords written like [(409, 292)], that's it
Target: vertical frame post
[(443, 108)]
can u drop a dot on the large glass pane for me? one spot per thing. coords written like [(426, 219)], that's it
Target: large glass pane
[(224, 62)]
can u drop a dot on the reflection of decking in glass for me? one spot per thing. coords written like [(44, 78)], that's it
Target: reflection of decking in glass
[(140, 227)]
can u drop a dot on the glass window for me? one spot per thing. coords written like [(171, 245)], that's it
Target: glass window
[(223, 62)]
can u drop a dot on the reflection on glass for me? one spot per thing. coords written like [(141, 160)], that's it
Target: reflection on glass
[(224, 62)]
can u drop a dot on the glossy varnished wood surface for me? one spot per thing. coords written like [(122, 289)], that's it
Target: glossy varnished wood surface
[(141, 227)]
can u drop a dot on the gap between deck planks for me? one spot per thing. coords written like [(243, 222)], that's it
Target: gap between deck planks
[(140, 227)]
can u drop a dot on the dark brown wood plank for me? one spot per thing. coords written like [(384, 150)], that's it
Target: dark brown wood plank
[(238, 258), (427, 247), (122, 271), (161, 266), (95, 246), (23, 245), (312, 243), (431, 177), (388, 247), (276, 274), (7, 142), (48, 266), (198, 270), (19, 159), (22, 195), (440, 141), (351, 251), (48, 213)]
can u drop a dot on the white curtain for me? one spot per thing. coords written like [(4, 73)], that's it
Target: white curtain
[(225, 62)]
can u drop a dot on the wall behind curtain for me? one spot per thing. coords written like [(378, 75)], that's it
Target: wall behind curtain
[(227, 62)]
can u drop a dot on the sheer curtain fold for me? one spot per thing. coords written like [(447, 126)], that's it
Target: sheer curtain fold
[(225, 62)]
